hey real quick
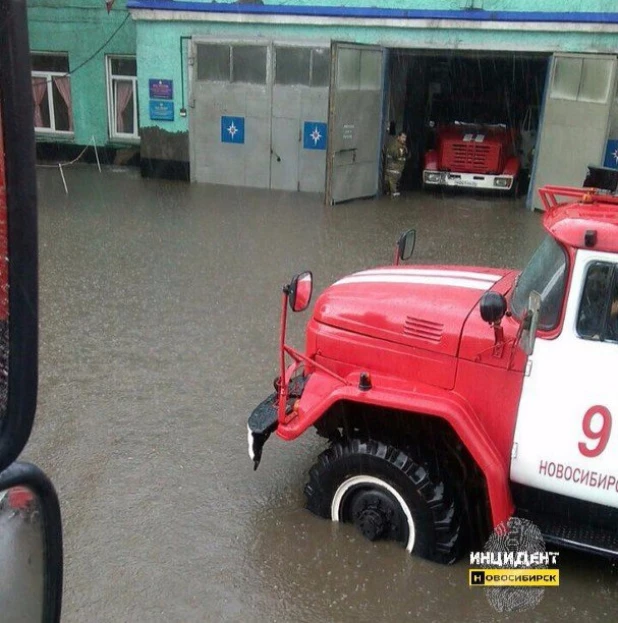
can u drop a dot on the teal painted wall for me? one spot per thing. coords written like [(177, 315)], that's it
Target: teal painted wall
[(79, 28), (159, 46)]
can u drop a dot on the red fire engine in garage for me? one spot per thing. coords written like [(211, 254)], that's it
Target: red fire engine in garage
[(456, 397), (473, 156)]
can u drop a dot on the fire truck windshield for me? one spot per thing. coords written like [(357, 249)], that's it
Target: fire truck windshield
[(546, 273)]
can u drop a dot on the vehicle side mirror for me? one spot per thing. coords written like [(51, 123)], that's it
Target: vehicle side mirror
[(405, 246), (493, 307), (300, 291), (31, 565), (531, 322)]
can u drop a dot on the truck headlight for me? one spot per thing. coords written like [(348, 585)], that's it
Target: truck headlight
[(433, 177), (503, 182)]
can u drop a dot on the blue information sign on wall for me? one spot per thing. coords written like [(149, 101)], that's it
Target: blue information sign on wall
[(161, 89), (233, 130), (314, 135), (611, 154), (161, 111)]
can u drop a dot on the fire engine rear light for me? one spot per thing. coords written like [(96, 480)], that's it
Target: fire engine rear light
[(502, 182), (432, 177)]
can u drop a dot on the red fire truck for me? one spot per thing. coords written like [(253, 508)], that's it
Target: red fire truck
[(456, 397), (477, 156)]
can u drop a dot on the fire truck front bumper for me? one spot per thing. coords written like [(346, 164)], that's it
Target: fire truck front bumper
[(262, 423), (264, 419), (468, 180)]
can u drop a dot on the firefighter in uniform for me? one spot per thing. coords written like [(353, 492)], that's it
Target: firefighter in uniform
[(396, 157)]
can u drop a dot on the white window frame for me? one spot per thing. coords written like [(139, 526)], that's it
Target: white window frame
[(111, 112), (48, 76)]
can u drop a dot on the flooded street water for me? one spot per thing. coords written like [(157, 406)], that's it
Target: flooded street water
[(159, 312)]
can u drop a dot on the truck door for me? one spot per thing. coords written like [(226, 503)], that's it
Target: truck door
[(575, 120), (566, 436), (355, 125)]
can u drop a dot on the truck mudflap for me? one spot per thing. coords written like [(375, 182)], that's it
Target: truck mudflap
[(263, 421)]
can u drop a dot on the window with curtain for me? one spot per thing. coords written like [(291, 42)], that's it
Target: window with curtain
[(122, 97), (51, 92)]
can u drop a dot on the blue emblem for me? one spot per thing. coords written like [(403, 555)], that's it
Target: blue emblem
[(611, 154), (233, 130), (314, 135)]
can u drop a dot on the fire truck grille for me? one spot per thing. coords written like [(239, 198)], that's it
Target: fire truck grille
[(470, 157), (423, 329)]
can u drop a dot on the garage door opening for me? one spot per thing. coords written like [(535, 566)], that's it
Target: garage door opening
[(466, 115)]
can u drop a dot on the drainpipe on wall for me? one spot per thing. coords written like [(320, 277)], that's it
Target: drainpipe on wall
[(183, 110)]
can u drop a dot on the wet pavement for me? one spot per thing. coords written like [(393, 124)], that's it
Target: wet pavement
[(159, 308)]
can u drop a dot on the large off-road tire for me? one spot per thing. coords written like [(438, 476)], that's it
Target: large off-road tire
[(387, 495)]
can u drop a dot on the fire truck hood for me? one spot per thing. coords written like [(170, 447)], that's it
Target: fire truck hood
[(422, 307)]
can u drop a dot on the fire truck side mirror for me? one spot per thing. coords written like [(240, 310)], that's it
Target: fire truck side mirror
[(531, 321), (493, 307), (300, 291), (405, 246)]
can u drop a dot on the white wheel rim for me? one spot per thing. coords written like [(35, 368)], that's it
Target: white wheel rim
[(346, 485)]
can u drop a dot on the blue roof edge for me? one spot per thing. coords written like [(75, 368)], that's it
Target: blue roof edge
[(376, 13)]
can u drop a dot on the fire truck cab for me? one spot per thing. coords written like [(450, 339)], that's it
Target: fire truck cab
[(456, 397)]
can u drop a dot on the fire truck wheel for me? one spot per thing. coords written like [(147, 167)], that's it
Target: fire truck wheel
[(387, 495)]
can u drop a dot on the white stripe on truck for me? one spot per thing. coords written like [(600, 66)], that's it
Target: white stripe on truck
[(425, 272), (472, 284)]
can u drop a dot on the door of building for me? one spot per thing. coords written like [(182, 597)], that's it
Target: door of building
[(355, 126), (575, 120), (299, 117), (231, 114), (259, 114)]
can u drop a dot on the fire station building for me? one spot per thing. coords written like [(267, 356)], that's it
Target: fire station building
[(300, 96)]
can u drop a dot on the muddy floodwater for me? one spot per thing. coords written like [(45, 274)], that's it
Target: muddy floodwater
[(159, 311)]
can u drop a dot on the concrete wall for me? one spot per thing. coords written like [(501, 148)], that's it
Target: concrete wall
[(79, 28)]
